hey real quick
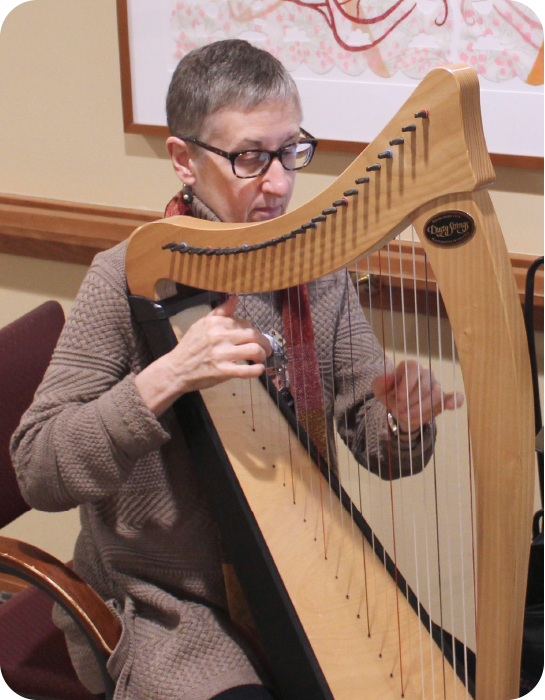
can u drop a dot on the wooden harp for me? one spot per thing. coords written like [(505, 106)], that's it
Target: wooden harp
[(441, 168)]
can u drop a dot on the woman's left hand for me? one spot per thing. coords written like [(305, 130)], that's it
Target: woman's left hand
[(413, 395)]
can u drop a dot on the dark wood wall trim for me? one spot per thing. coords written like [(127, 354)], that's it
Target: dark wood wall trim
[(71, 232), (65, 231), (404, 266)]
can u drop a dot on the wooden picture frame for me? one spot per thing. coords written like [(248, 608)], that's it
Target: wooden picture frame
[(133, 126)]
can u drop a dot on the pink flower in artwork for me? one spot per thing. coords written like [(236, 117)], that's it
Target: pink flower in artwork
[(499, 61), (292, 17), (487, 32), (516, 57), (469, 14), (346, 65), (226, 26), (463, 56), (496, 22), (473, 60), (470, 46), (527, 36), (482, 57), (481, 68), (180, 6), (323, 63), (503, 71), (316, 29), (479, 20)]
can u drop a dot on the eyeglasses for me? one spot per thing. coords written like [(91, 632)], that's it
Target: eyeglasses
[(255, 162)]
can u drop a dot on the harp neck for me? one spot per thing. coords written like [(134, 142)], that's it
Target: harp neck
[(444, 154)]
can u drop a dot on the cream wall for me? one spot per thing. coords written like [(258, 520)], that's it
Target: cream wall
[(61, 136)]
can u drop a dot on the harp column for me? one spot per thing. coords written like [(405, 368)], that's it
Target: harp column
[(495, 365)]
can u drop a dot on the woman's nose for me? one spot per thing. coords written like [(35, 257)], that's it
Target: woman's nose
[(276, 179)]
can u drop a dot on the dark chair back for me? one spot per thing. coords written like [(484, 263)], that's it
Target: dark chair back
[(26, 347)]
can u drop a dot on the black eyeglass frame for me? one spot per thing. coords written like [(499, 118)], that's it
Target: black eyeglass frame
[(307, 138)]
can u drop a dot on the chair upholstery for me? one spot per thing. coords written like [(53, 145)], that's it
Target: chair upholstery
[(36, 663), (33, 655), (23, 362)]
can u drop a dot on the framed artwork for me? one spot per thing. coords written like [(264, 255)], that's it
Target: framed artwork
[(354, 62)]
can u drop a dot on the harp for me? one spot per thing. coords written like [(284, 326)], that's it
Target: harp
[(312, 629)]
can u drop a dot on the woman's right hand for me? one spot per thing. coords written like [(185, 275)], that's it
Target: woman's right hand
[(214, 349)]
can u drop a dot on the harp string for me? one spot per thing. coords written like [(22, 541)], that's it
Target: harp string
[(389, 438), (435, 486), (405, 355), (449, 544), (288, 429), (398, 441), (365, 593), (327, 455), (376, 512)]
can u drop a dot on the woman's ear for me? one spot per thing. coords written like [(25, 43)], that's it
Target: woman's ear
[(182, 159)]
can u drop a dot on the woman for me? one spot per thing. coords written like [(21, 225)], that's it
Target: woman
[(100, 434)]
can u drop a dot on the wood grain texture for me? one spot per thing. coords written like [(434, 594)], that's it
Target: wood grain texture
[(66, 587), (479, 292), (319, 558), (11, 584), (445, 154), (64, 231)]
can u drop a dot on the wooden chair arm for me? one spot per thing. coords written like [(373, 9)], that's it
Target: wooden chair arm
[(31, 564)]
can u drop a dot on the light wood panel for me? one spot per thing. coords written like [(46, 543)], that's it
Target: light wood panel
[(321, 567)]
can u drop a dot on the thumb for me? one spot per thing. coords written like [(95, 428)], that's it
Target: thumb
[(226, 309)]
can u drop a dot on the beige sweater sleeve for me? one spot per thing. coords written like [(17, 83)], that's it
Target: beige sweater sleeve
[(87, 426)]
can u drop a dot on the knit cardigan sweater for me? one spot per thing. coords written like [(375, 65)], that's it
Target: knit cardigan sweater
[(148, 544)]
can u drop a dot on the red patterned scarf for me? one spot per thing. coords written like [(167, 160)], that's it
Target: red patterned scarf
[(304, 369)]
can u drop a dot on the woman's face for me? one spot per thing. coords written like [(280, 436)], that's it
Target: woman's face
[(268, 126)]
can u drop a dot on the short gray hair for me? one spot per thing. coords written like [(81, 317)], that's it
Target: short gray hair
[(230, 73)]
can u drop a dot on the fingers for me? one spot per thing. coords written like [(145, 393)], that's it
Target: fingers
[(226, 309), (413, 395)]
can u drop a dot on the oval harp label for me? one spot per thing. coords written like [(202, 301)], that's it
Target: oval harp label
[(450, 228)]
